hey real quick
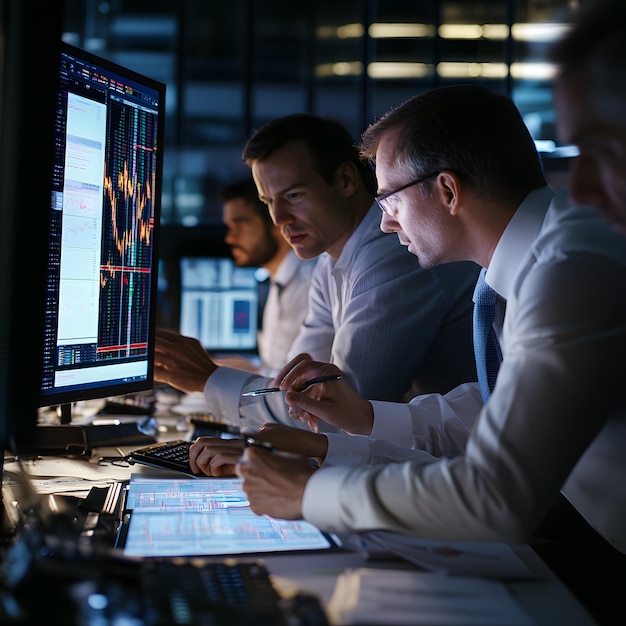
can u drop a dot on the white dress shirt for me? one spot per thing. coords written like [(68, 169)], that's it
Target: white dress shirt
[(390, 325), (284, 311), (492, 472)]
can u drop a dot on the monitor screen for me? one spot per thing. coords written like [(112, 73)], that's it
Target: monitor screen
[(104, 216), (219, 303)]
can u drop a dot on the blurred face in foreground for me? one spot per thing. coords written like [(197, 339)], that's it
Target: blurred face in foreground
[(595, 122)]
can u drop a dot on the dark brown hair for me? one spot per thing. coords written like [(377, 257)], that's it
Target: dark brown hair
[(328, 142)]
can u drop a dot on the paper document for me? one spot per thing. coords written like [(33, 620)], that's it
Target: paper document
[(483, 559), (398, 598)]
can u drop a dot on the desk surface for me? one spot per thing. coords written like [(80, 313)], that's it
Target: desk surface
[(546, 600)]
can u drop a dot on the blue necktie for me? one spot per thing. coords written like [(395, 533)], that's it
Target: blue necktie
[(486, 346)]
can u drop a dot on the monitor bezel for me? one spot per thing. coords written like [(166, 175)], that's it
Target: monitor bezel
[(26, 123)]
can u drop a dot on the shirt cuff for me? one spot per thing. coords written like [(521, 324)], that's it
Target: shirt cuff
[(321, 501), (223, 391), (344, 449), (392, 422)]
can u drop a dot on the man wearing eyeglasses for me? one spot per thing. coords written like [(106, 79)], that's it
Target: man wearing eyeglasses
[(460, 178), (388, 201), (393, 327)]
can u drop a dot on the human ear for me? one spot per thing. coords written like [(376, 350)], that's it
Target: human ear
[(449, 187), (347, 178)]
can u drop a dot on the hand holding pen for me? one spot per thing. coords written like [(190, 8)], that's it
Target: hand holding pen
[(307, 384), (336, 403)]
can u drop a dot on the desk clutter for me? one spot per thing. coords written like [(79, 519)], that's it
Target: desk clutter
[(61, 568), (50, 575), (47, 581)]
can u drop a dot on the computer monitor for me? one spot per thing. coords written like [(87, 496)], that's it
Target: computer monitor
[(219, 303), (103, 220)]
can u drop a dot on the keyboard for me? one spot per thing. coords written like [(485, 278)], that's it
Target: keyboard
[(169, 455), (80, 587), (222, 593)]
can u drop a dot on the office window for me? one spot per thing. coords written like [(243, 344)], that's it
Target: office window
[(213, 100), (537, 25), (340, 51), (231, 66)]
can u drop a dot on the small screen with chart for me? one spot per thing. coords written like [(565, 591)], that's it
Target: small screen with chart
[(207, 516)]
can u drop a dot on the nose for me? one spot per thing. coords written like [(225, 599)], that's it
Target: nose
[(388, 224), (585, 182), (279, 213), (229, 237)]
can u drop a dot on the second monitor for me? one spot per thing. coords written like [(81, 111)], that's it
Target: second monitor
[(219, 303)]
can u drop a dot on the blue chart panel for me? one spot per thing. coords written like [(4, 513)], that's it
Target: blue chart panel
[(202, 517), (241, 316)]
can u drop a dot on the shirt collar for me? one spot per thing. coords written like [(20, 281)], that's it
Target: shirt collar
[(287, 269), (517, 239)]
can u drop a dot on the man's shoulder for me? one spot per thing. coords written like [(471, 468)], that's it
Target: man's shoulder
[(578, 228)]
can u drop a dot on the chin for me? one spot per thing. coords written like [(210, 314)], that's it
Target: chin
[(309, 248), (425, 261), (305, 254)]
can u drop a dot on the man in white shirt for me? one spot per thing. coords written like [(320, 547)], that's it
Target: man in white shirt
[(590, 101), (255, 241), (392, 326), (467, 184)]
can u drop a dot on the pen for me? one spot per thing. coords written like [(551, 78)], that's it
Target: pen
[(308, 383), (257, 443), (266, 445)]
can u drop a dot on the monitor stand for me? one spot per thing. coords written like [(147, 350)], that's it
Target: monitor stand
[(64, 412), (67, 439)]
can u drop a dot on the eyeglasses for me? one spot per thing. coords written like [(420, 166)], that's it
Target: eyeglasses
[(388, 204)]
